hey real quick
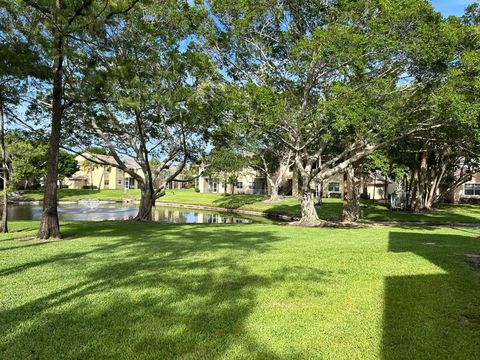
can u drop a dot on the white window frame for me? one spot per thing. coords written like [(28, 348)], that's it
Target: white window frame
[(333, 185), (475, 189)]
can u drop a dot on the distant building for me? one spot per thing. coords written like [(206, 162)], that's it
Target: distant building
[(466, 193), (107, 177), (254, 182), (250, 182)]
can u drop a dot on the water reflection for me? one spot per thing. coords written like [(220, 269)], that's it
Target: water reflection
[(125, 212)]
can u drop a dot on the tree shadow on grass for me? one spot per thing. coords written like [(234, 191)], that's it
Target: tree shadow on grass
[(437, 315), (148, 291)]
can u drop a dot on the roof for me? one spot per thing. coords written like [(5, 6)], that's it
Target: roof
[(130, 163)]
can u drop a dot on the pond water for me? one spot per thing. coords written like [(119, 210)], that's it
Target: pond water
[(100, 212)]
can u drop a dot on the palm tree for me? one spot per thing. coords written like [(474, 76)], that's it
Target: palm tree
[(89, 167)]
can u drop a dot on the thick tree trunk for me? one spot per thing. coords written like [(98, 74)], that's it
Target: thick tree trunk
[(273, 187), (351, 206), (147, 201), (309, 213), (295, 181), (49, 226), (274, 196), (4, 228)]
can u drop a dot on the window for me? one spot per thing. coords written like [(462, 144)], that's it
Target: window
[(239, 185), (213, 186), (106, 182), (120, 182), (471, 190), (334, 187), (251, 185)]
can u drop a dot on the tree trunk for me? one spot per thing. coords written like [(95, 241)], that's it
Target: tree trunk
[(147, 201), (295, 181), (274, 187), (101, 179), (350, 211), (309, 213), (49, 226), (385, 188), (422, 184), (414, 205), (374, 186), (4, 228)]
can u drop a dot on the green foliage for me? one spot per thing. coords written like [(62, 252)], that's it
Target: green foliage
[(226, 165), (29, 159), (332, 80), (67, 165)]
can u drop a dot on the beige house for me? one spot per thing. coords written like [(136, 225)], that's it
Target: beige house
[(106, 177), (466, 193), (103, 176), (250, 182), (253, 182)]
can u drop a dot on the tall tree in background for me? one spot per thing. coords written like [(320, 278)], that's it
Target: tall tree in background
[(331, 71), (57, 30), (18, 63), (147, 96)]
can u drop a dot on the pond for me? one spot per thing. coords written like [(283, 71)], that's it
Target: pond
[(100, 212)]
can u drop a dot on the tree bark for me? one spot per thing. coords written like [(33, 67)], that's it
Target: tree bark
[(309, 213), (147, 202), (4, 228), (274, 186), (374, 186), (295, 181), (422, 184), (350, 211), (414, 206), (49, 226), (385, 188)]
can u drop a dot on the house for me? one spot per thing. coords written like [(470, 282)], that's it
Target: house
[(467, 193), (250, 182), (105, 177), (92, 175), (253, 182)]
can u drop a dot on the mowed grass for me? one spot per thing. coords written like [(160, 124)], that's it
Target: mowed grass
[(331, 209), (120, 290)]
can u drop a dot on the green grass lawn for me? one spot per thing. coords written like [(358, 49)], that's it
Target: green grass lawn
[(331, 210), (119, 290)]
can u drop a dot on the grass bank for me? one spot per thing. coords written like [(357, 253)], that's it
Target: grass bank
[(331, 210), (119, 290)]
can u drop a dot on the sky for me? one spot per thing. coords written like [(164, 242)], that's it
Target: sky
[(451, 7)]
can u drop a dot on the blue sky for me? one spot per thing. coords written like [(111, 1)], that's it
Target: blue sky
[(451, 7)]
